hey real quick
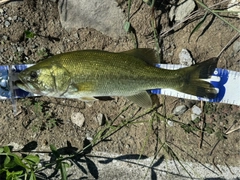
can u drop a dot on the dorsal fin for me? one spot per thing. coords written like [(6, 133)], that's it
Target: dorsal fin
[(148, 55)]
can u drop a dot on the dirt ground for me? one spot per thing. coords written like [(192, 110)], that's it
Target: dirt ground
[(48, 120)]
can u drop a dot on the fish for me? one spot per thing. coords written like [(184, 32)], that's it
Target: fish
[(89, 74)]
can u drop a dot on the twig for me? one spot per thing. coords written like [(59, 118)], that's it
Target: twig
[(202, 127), (234, 129), (214, 147), (228, 44), (216, 165), (229, 168)]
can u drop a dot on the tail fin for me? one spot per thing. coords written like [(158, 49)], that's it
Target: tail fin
[(192, 78)]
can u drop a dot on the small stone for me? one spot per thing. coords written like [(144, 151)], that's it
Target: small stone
[(185, 58), (100, 119), (20, 49), (14, 18), (5, 37), (7, 23), (15, 146), (182, 10), (27, 52), (78, 119), (76, 35), (194, 116), (1, 11), (9, 18), (180, 110), (236, 47), (20, 19), (196, 110), (170, 123), (104, 16)]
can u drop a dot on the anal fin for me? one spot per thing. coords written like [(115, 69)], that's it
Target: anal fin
[(142, 99)]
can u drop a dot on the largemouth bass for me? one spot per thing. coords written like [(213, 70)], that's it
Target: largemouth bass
[(88, 74)]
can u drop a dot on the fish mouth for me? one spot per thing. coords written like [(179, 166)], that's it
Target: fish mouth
[(21, 85), (26, 86)]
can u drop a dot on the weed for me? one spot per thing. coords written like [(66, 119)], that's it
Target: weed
[(14, 166), (220, 135), (43, 53), (29, 34)]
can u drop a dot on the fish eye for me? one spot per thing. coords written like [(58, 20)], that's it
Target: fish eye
[(33, 74)]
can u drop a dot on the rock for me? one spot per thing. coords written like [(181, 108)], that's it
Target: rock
[(16, 146), (100, 119), (170, 123), (182, 10), (185, 58), (103, 16), (236, 47), (15, 18), (5, 37), (190, 103), (180, 110), (194, 116), (78, 119), (20, 49), (7, 23), (196, 110), (20, 19)]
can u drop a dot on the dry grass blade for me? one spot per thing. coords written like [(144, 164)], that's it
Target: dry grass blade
[(228, 44), (232, 129), (202, 126), (221, 18)]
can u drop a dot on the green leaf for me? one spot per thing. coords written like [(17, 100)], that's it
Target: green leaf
[(63, 167), (127, 26), (14, 175), (32, 176), (66, 164), (6, 161), (29, 34), (54, 151), (6, 149), (18, 161), (32, 159), (198, 25), (149, 2), (1, 149)]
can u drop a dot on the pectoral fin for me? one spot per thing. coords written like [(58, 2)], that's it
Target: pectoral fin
[(88, 99), (142, 99)]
